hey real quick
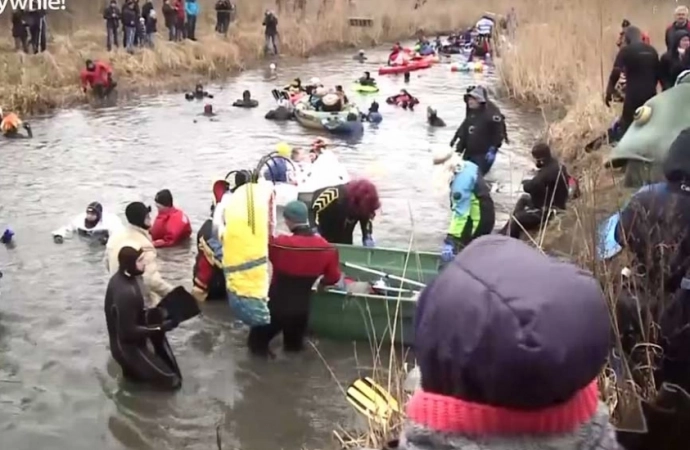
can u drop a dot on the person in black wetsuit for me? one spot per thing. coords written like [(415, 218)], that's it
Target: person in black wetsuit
[(129, 333), (336, 210), (282, 112), (482, 132), (674, 61), (546, 191), (199, 93), (433, 119), (640, 64), (246, 102), (366, 80)]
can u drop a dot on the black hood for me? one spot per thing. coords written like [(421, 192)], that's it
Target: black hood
[(677, 36), (127, 260), (136, 213), (677, 164), (97, 209)]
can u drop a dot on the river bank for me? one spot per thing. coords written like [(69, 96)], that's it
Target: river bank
[(40, 83)]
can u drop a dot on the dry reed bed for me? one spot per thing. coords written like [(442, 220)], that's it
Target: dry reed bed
[(37, 83), (561, 56)]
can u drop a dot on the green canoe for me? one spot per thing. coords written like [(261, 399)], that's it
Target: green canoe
[(372, 317)]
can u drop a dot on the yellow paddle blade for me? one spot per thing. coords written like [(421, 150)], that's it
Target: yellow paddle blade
[(372, 400)]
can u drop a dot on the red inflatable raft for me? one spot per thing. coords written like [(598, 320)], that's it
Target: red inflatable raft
[(409, 67)]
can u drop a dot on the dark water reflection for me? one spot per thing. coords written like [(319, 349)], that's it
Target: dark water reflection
[(58, 387)]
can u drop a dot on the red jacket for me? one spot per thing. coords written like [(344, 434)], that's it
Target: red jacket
[(298, 260), (171, 226), (179, 10), (99, 76)]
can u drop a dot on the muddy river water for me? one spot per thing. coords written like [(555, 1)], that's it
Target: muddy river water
[(59, 388)]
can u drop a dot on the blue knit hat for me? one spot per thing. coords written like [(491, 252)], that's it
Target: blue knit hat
[(506, 326), (296, 212)]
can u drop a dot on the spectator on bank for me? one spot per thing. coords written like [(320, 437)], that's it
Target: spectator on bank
[(20, 31), (680, 23), (151, 28), (37, 27), (129, 24), (191, 7), (223, 12), (137, 11), (111, 15), (146, 9), (141, 32), (180, 31), (169, 16), (270, 24)]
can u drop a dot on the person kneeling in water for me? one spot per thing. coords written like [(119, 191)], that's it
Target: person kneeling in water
[(282, 113), (92, 223), (128, 330), (247, 101), (336, 210), (171, 226), (298, 260), (99, 76), (366, 80), (10, 124), (472, 209), (373, 116), (199, 93), (433, 119), (403, 99), (546, 192)]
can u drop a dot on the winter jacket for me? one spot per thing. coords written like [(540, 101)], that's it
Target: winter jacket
[(111, 14), (155, 286), (191, 7), (169, 15), (109, 225), (171, 226)]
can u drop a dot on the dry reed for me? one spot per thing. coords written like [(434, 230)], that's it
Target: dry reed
[(37, 83)]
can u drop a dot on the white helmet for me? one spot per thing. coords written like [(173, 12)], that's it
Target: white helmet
[(272, 66), (315, 81)]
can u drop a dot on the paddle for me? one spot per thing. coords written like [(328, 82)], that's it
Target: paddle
[(384, 275), (372, 400), (275, 94)]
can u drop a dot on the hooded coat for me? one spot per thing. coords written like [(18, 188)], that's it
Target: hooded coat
[(671, 63)]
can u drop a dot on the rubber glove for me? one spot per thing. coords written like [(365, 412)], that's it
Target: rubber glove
[(447, 252), (7, 236), (368, 241)]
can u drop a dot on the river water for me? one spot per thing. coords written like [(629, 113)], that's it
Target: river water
[(59, 388)]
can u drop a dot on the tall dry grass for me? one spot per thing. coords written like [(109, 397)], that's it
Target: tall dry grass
[(561, 55), (35, 83)]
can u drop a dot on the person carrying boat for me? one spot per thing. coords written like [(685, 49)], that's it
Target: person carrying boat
[(403, 99), (433, 119), (472, 209), (136, 234), (336, 210), (360, 56), (129, 333), (366, 80), (507, 360), (99, 77), (246, 102), (298, 260), (199, 93), (10, 124), (481, 133), (93, 223), (545, 193), (171, 226), (373, 115)]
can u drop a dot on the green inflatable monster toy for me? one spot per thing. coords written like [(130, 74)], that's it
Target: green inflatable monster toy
[(656, 125)]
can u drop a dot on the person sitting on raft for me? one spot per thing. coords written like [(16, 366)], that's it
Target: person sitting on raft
[(433, 119), (366, 80), (360, 56), (546, 192), (336, 210), (93, 223), (282, 112), (403, 99), (341, 94), (130, 335), (396, 56), (10, 124), (373, 115), (198, 94), (246, 102), (471, 205), (208, 276), (481, 134), (99, 77), (171, 226), (331, 102), (314, 85), (295, 87), (136, 233), (298, 260)]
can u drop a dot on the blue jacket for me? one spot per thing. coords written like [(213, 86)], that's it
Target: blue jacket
[(191, 7)]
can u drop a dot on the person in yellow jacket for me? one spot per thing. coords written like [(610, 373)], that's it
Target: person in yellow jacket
[(10, 124), (136, 235)]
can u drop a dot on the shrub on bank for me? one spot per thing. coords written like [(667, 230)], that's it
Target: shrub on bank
[(36, 83)]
